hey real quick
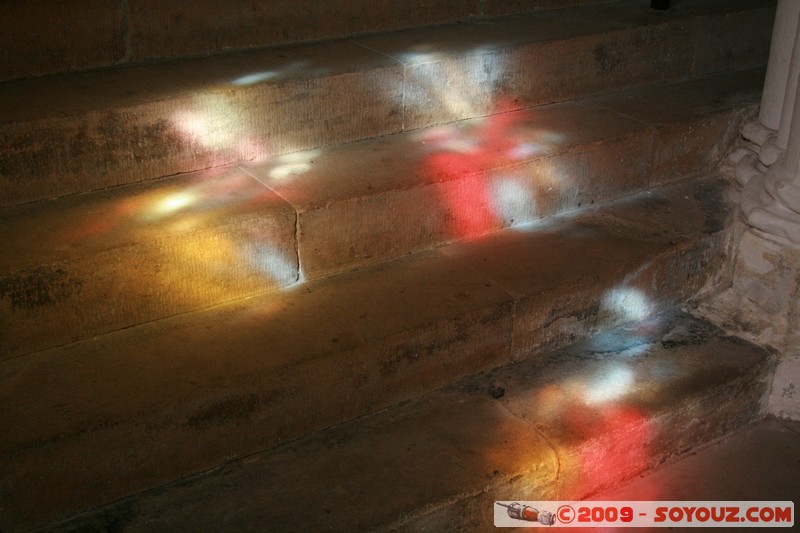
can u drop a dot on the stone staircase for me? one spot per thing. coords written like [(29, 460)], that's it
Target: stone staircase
[(212, 261)]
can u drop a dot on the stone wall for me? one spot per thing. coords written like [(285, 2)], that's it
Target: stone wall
[(40, 37)]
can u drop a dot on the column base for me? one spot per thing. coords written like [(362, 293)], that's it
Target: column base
[(771, 205), (762, 304)]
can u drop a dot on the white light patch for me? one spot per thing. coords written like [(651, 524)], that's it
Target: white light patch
[(256, 77), (297, 157), (169, 205), (512, 201), (548, 224), (542, 143), (628, 304), (613, 383), (623, 344), (212, 121), (526, 150), (463, 145), (296, 68), (176, 202), (269, 260), (421, 56), (283, 172), (465, 89), (450, 138), (293, 164)]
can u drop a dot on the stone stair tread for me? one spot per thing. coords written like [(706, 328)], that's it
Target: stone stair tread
[(555, 427), (315, 178), (203, 238), (71, 133), (660, 104), (104, 35), (234, 379), (136, 85), (30, 99), (91, 223)]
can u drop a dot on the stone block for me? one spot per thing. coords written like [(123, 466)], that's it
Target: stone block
[(119, 126), (586, 176), (599, 270), (173, 29), (502, 71), (559, 426), (375, 200), (561, 279), (98, 263), (693, 149), (236, 379), (41, 37), (784, 397), (695, 122), (128, 126), (723, 43), (495, 8), (761, 300)]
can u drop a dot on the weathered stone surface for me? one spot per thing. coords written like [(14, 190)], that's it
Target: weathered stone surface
[(636, 404), (758, 299), (694, 122), (234, 380), (44, 36), (707, 475), (141, 122), (523, 61), (615, 406), (171, 28), (356, 204), (117, 127), (587, 176), (552, 427), (784, 398), (372, 201), (685, 150), (493, 8), (385, 463), (82, 266), (609, 267), (113, 32), (722, 43)]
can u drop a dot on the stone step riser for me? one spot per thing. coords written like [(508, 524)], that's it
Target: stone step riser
[(265, 243), (106, 34), (229, 382), (121, 258), (556, 427), (627, 450), (303, 101)]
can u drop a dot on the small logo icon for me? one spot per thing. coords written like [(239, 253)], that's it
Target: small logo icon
[(565, 514), (528, 513)]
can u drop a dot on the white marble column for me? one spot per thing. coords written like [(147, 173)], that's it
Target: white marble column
[(785, 125), (780, 55), (771, 199), (762, 299)]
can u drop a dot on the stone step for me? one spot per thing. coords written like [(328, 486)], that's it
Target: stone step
[(556, 426), (104, 33), (73, 133), (100, 419), (89, 264)]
